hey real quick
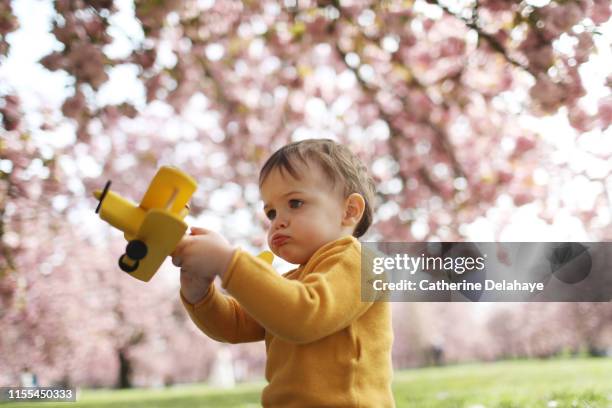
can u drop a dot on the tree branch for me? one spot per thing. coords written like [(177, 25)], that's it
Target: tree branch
[(394, 131), (491, 40)]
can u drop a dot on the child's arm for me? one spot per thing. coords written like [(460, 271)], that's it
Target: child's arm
[(325, 301), (218, 316), (221, 318)]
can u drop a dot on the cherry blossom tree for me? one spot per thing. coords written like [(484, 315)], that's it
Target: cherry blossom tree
[(435, 95)]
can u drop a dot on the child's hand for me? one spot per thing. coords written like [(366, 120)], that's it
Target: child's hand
[(201, 256)]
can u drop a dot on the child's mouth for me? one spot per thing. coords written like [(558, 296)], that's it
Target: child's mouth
[(279, 240)]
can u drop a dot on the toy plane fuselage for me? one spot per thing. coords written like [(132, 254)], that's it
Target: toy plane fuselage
[(153, 228)]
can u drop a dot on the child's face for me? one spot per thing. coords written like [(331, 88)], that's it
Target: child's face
[(304, 214)]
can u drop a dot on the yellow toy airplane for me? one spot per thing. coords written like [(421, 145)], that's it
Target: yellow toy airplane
[(155, 227)]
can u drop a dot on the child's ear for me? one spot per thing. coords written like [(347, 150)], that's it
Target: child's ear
[(354, 206)]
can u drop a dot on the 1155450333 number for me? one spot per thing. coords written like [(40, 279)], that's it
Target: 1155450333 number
[(37, 394)]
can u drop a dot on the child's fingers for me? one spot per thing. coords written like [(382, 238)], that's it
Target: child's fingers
[(177, 250), (177, 254), (177, 258), (177, 261), (199, 231)]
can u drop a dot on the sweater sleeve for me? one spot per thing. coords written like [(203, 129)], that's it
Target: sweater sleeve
[(223, 319), (326, 300)]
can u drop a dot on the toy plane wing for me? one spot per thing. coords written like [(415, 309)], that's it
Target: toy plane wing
[(157, 237), (170, 189), (266, 256), (152, 228)]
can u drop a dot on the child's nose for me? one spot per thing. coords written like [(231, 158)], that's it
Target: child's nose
[(280, 222)]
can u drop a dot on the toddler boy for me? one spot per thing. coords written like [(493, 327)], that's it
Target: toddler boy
[(325, 347)]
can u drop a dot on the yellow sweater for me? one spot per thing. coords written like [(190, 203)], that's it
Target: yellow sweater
[(325, 347)]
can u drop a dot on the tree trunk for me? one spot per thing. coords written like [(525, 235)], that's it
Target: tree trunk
[(125, 370)]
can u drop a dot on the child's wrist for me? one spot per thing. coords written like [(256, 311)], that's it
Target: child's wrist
[(228, 256)]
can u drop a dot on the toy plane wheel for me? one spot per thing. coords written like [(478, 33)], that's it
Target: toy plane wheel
[(127, 266), (136, 250)]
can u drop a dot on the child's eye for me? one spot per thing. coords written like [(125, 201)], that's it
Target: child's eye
[(271, 214), (295, 203)]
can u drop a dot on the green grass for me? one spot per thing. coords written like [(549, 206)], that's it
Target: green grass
[(582, 383), (585, 383)]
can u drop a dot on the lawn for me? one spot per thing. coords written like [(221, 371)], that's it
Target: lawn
[(584, 383)]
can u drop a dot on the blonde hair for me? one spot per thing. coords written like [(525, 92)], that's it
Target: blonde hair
[(336, 161)]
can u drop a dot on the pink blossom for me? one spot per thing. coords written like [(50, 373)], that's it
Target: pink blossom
[(580, 120), (584, 47), (541, 58), (71, 30), (539, 53), (499, 5), (547, 94), (145, 58), (102, 4), (53, 61), (572, 83), (523, 145), (601, 11), (152, 85), (11, 112), (74, 106), (63, 6), (452, 47), (604, 112), (501, 36), (504, 176), (96, 30), (86, 61), (428, 24), (317, 28), (8, 22), (523, 198), (559, 18)]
